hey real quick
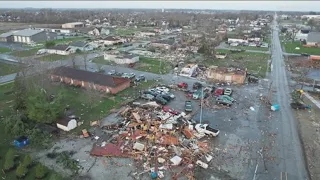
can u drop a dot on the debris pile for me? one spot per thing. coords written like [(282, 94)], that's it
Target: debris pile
[(158, 141)]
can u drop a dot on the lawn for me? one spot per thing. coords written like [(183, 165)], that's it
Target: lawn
[(68, 40), (6, 69), (100, 60), (252, 48), (26, 53), (52, 57), (290, 48), (92, 105), (4, 50), (6, 140), (153, 65), (129, 31), (254, 62)]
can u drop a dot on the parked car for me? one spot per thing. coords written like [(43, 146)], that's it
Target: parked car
[(188, 106), (168, 94), (112, 72), (253, 79), (227, 98), (165, 89), (198, 95), (189, 93), (219, 91), (153, 93), (197, 85), (128, 75), (147, 97), (305, 54), (223, 101), (183, 85), (170, 110), (299, 105), (166, 97), (228, 92), (140, 78), (206, 129), (159, 99)]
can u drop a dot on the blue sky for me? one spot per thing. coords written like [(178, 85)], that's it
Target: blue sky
[(236, 5)]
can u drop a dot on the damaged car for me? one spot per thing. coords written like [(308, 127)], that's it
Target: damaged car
[(206, 129)]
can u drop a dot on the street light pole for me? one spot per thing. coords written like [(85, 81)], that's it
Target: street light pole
[(201, 105)]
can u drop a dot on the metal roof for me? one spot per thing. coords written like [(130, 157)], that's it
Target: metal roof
[(7, 34), (78, 44), (313, 37), (27, 32)]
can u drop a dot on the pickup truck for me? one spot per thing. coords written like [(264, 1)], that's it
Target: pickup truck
[(188, 106), (206, 129)]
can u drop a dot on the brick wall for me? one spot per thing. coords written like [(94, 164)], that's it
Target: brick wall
[(88, 85)]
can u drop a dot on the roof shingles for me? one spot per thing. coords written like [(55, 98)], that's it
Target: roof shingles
[(92, 77)]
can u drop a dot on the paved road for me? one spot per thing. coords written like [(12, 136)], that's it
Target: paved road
[(286, 148), (257, 51)]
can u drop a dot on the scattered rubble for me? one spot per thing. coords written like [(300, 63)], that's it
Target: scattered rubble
[(152, 137)]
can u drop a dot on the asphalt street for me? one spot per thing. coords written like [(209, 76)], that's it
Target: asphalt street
[(285, 157)]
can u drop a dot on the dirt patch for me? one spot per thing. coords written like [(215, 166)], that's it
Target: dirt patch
[(15, 26), (309, 124)]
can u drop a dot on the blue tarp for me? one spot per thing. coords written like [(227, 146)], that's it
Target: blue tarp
[(21, 142)]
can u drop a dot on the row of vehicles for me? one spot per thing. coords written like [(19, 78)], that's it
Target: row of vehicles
[(131, 76), (161, 95), (223, 96)]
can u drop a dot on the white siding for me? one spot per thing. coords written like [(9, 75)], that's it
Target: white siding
[(19, 39), (28, 39)]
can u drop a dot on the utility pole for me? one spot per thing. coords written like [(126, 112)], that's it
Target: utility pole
[(201, 105)]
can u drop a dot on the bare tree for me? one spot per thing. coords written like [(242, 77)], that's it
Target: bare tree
[(85, 60)]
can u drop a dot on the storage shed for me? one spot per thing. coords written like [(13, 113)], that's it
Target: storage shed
[(66, 123)]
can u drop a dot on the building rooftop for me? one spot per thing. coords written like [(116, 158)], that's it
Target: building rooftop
[(313, 37), (59, 47), (27, 32), (87, 76), (78, 43), (7, 34), (74, 23)]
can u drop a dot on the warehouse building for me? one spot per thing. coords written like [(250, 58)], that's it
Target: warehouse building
[(72, 25)]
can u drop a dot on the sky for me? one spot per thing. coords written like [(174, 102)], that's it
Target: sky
[(223, 5)]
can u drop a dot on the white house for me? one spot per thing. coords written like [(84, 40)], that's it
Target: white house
[(237, 41), (100, 31), (110, 40), (189, 70), (301, 36), (147, 34), (81, 45), (121, 58), (66, 124), (60, 50)]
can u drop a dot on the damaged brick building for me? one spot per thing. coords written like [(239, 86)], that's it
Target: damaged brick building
[(229, 75), (86, 79)]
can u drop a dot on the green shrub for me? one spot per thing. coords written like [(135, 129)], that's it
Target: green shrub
[(27, 161), (9, 160), (41, 171), (55, 177), (21, 171)]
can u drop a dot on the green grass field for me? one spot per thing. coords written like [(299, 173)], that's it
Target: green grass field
[(252, 48), (25, 53), (52, 57), (153, 65), (6, 140), (254, 62), (100, 60), (290, 48), (4, 50), (6, 69)]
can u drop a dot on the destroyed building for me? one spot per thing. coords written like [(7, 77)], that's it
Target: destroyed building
[(229, 75)]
